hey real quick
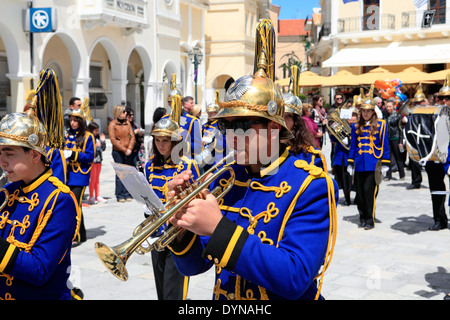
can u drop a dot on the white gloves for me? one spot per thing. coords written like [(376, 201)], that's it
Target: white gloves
[(67, 153), (350, 169), (345, 141), (384, 169)]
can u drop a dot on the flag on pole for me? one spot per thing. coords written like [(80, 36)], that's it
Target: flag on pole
[(347, 1), (420, 3)]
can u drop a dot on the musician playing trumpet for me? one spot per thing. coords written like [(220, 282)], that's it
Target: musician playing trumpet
[(272, 232)]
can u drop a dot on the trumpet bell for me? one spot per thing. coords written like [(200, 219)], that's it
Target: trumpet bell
[(112, 260)]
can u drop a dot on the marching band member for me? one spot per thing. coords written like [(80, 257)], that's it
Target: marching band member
[(416, 168), (340, 161), (436, 173), (369, 144), (302, 144), (39, 216), (79, 153), (162, 167), (272, 232), (191, 128), (213, 140)]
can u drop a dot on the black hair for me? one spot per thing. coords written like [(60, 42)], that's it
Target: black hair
[(73, 99)]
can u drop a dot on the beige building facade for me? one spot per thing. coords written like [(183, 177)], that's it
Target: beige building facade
[(113, 52), (364, 34), (125, 51)]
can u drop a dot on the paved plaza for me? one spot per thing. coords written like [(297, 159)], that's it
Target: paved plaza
[(398, 260)]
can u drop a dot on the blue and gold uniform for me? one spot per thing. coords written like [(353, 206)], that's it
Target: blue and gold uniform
[(59, 164), (369, 146), (214, 144), (38, 223), (159, 175), (191, 132), (283, 217), (80, 163), (367, 149), (159, 171)]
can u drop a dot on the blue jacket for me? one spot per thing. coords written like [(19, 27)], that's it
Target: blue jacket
[(312, 156), (274, 235), (340, 153), (35, 252), (80, 163), (59, 164), (366, 150), (191, 133)]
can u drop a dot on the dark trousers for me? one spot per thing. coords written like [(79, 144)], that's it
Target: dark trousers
[(416, 172), (395, 151), (170, 283), (78, 192), (120, 157), (436, 175), (344, 180), (366, 193)]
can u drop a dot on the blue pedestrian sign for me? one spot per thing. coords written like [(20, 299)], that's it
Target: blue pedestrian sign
[(41, 20)]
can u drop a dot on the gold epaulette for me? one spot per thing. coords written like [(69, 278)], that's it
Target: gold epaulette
[(58, 184)]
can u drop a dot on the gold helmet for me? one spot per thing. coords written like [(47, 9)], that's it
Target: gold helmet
[(42, 124), (173, 88), (214, 106), (369, 102), (86, 110), (292, 102), (169, 126), (359, 99), (257, 95), (419, 96), (445, 90), (78, 113)]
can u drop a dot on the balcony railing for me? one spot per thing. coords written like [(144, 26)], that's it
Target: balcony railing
[(413, 19), (368, 23), (124, 13)]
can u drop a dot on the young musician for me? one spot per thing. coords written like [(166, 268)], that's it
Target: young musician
[(39, 216), (369, 145), (302, 144), (272, 232), (165, 164), (79, 153)]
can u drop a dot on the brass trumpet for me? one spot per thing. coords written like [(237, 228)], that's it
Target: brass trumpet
[(115, 258)]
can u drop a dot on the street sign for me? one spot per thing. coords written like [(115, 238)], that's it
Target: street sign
[(428, 18), (40, 20)]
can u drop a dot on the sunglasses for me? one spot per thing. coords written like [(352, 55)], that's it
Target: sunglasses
[(243, 124)]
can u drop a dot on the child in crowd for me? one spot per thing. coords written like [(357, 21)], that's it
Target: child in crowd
[(94, 183)]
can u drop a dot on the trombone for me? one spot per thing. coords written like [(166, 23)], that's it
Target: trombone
[(115, 258)]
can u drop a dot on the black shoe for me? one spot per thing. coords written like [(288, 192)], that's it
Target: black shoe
[(368, 226), (412, 186), (438, 226), (362, 224)]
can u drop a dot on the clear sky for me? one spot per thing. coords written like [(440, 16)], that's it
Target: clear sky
[(295, 9)]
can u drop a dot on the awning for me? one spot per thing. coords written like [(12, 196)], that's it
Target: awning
[(392, 53)]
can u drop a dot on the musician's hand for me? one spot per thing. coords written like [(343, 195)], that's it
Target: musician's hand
[(200, 216), (178, 181)]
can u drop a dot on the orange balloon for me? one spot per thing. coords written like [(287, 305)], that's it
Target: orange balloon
[(382, 84)]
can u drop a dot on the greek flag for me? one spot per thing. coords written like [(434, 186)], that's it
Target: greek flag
[(420, 3)]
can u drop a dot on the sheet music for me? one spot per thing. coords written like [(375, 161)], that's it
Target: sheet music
[(138, 186)]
